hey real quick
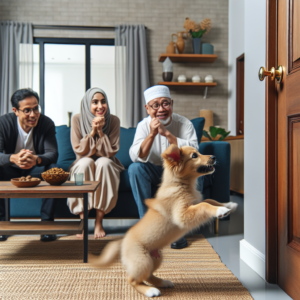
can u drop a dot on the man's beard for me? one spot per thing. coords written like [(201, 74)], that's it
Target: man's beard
[(166, 121)]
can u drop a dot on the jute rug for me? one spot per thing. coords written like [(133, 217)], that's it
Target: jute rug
[(30, 269)]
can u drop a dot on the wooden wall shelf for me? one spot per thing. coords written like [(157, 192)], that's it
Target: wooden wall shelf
[(188, 84), (196, 58)]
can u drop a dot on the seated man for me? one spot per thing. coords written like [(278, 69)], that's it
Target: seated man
[(27, 147), (153, 136)]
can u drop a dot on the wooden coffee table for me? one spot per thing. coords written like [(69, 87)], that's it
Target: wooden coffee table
[(44, 190)]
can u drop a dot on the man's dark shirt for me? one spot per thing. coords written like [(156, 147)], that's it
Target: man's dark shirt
[(44, 140)]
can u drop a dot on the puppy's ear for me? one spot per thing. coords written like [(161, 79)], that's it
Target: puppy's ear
[(172, 154)]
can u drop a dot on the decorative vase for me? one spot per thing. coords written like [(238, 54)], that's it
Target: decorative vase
[(207, 48), (171, 48), (180, 42), (167, 76), (196, 45)]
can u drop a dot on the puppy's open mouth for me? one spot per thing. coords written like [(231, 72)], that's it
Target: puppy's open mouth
[(205, 169)]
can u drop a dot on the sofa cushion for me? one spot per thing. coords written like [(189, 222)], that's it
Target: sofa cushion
[(198, 124), (126, 140), (66, 154), (25, 207)]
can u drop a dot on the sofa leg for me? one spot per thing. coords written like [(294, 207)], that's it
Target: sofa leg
[(216, 226)]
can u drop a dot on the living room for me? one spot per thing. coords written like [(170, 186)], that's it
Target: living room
[(68, 47)]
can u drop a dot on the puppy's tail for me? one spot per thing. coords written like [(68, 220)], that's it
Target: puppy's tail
[(109, 254)]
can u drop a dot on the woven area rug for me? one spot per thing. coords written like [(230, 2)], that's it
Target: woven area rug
[(30, 269)]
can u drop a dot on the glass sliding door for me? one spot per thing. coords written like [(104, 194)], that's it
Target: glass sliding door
[(65, 68), (103, 71), (36, 68), (64, 80)]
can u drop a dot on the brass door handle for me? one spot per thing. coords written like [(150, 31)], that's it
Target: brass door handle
[(278, 73)]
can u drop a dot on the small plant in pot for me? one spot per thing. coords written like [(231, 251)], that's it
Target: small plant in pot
[(216, 133), (196, 31)]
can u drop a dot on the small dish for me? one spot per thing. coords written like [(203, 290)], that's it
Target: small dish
[(16, 182)]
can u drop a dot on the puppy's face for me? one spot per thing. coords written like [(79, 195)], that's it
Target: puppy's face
[(187, 162)]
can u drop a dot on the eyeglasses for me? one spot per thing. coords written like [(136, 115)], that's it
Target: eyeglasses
[(164, 104), (27, 111)]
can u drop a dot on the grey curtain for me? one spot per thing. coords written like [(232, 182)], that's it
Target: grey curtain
[(133, 37), (12, 34)]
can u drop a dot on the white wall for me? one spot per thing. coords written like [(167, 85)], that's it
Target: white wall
[(253, 245), (236, 11)]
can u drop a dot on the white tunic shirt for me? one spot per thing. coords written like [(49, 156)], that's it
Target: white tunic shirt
[(180, 127), (25, 140)]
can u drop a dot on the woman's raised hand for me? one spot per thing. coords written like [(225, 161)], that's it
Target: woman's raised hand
[(97, 125)]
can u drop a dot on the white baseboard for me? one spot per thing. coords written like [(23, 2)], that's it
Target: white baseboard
[(253, 258)]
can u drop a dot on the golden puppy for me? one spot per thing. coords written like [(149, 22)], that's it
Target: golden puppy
[(175, 210)]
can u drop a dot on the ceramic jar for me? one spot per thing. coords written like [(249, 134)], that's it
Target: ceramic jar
[(209, 78), (196, 78), (181, 78), (180, 42)]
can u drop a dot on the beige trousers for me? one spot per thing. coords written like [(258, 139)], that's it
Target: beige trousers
[(104, 170)]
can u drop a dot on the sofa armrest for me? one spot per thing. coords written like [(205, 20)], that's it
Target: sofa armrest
[(220, 189)]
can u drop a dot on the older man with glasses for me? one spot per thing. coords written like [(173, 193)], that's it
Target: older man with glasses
[(153, 136), (27, 147)]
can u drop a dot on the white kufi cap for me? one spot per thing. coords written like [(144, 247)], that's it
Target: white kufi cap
[(156, 91)]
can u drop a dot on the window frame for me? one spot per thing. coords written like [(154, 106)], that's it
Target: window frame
[(75, 41)]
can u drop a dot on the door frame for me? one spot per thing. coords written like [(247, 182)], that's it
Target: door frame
[(271, 199), (240, 90)]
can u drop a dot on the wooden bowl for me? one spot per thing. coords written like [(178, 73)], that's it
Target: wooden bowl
[(18, 183), (55, 179)]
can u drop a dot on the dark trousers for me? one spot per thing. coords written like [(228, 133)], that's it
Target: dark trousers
[(144, 180), (9, 172)]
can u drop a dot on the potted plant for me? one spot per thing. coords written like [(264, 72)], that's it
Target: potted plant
[(216, 133), (196, 31)]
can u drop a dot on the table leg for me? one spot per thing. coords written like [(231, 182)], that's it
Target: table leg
[(7, 209), (85, 227)]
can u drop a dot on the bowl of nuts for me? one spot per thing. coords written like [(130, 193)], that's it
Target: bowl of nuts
[(55, 176), (27, 181)]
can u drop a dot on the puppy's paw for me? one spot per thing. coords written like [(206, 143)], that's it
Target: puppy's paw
[(222, 212), (232, 206), (167, 284), (153, 292)]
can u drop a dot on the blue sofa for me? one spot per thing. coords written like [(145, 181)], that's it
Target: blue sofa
[(216, 186)]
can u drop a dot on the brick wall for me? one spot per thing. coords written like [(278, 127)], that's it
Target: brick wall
[(162, 18)]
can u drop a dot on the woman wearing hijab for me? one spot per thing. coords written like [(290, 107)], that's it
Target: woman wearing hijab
[(95, 138)]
